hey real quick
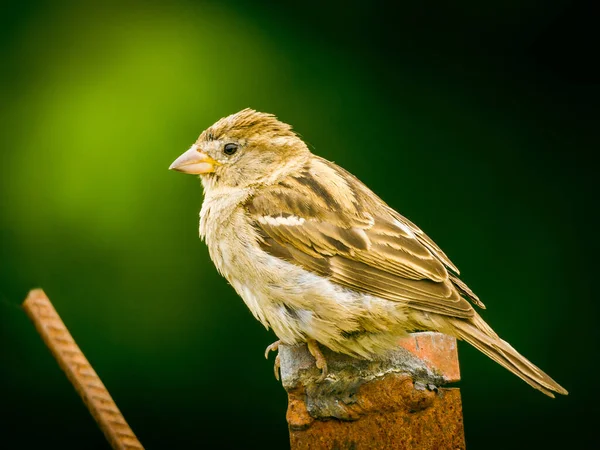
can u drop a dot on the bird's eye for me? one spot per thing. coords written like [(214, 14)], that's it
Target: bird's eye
[(230, 149)]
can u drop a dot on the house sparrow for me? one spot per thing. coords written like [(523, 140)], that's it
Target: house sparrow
[(321, 259)]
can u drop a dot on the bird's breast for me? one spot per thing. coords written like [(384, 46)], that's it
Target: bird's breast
[(297, 304)]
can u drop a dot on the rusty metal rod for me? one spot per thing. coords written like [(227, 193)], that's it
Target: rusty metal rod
[(79, 371)]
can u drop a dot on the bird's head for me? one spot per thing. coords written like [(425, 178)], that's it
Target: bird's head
[(245, 149)]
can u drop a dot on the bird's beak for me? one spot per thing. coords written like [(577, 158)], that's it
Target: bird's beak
[(194, 162)]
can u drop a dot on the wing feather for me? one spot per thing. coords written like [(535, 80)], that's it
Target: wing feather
[(349, 235)]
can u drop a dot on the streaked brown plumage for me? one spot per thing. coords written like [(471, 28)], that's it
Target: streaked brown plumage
[(319, 258)]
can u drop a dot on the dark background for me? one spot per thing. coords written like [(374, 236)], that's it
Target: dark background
[(477, 120)]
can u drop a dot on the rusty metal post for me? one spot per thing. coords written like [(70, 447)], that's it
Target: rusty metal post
[(396, 402)]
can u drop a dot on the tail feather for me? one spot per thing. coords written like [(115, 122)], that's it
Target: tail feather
[(477, 333)]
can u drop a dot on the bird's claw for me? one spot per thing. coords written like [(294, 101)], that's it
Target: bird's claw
[(276, 367), (272, 348), (313, 348), (320, 361)]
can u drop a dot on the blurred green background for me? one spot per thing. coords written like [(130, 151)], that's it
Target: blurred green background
[(476, 120)]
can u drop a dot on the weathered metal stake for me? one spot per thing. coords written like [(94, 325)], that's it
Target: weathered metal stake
[(396, 402)]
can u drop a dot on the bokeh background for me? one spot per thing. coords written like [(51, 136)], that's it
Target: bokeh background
[(477, 120)]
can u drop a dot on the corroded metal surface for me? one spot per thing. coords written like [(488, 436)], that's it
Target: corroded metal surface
[(437, 351), (392, 403)]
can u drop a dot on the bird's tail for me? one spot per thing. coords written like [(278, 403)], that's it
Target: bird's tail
[(479, 334)]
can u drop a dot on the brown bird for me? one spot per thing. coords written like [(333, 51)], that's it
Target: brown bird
[(321, 259)]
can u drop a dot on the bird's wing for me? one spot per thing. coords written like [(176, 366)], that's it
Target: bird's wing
[(328, 222)]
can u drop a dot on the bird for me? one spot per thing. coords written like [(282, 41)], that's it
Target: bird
[(319, 258)]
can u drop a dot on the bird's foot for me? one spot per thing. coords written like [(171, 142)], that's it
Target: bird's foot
[(272, 348), (320, 361)]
